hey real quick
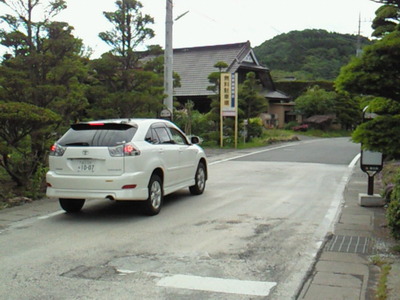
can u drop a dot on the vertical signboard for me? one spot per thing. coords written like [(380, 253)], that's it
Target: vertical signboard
[(229, 94), (229, 100)]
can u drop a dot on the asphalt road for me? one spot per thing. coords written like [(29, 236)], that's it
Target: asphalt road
[(253, 234)]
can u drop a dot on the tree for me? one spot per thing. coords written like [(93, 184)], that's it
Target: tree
[(44, 67), (130, 30), (24, 135), (394, 2), (123, 85), (251, 103), (347, 110), (31, 40), (42, 77), (109, 98), (316, 101), (311, 54), (214, 114), (376, 74), (386, 20), (214, 79)]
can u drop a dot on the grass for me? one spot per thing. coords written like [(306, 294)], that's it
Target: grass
[(381, 292), (326, 134), (269, 137)]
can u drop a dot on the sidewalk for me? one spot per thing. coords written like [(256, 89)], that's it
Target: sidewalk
[(344, 269)]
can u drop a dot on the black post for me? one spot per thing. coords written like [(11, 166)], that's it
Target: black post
[(370, 185)]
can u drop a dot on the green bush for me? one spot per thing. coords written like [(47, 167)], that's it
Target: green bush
[(387, 178), (210, 139), (290, 125), (37, 184), (254, 130), (393, 211)]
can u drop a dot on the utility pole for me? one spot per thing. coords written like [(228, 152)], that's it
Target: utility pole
[(168, 59)]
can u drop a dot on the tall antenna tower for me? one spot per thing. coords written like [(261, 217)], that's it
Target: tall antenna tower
[(358, 47)]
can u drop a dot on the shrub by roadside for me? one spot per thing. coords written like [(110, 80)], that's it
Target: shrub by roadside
[(393, 210), (387, 178)]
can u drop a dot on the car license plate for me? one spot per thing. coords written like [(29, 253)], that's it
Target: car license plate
[(86, 166)]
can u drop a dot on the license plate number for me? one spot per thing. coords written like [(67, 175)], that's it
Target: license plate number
[(86, 166)]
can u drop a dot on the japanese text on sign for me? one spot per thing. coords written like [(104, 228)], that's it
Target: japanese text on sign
[(228, 94)]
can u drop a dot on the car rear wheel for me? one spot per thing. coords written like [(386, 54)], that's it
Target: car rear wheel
[(200, 180), (154, 201), (72, 205)]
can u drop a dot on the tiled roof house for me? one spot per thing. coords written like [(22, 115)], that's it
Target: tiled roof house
[(194, 65)]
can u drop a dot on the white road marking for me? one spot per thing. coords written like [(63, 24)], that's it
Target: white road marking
[(355, 160), (220, 285), (59, 212), (125, 272), (209, 284), (252, 153), (30, 221)]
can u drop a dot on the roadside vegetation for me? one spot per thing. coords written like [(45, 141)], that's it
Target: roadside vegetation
[(381, 290), (380, 133)]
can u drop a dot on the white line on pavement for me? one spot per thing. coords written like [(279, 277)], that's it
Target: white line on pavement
[(252, 153), (355, 160), (211, 284), (59, 212)]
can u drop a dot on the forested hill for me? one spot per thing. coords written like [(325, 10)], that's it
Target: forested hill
[(309, 54)]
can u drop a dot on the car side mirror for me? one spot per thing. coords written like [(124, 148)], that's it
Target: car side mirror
[(195, 140)]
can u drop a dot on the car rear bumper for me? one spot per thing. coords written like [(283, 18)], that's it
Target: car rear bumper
[(95, 187)]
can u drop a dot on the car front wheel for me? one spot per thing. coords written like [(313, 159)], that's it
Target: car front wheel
[(154, 201), (72, 205), (200, 180)]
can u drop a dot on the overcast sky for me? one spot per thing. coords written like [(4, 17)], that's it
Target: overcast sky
[(213, 22)]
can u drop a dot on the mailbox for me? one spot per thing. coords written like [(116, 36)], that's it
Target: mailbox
[(371, 161), (166, 114)]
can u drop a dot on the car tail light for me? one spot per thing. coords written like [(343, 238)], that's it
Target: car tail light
[(129, 186), (57, 150), (123, 150)]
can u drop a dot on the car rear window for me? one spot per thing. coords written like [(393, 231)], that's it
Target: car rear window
[(107, 135)]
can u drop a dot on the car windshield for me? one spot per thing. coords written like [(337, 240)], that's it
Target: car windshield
[(106, 135)]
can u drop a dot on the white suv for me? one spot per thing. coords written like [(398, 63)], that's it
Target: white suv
[(124, 159)]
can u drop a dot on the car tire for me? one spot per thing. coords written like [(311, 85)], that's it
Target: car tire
[(200, 180), (156, 196), (72, 205)]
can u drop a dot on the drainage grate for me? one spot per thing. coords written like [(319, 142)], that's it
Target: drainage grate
[(348, 244)]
